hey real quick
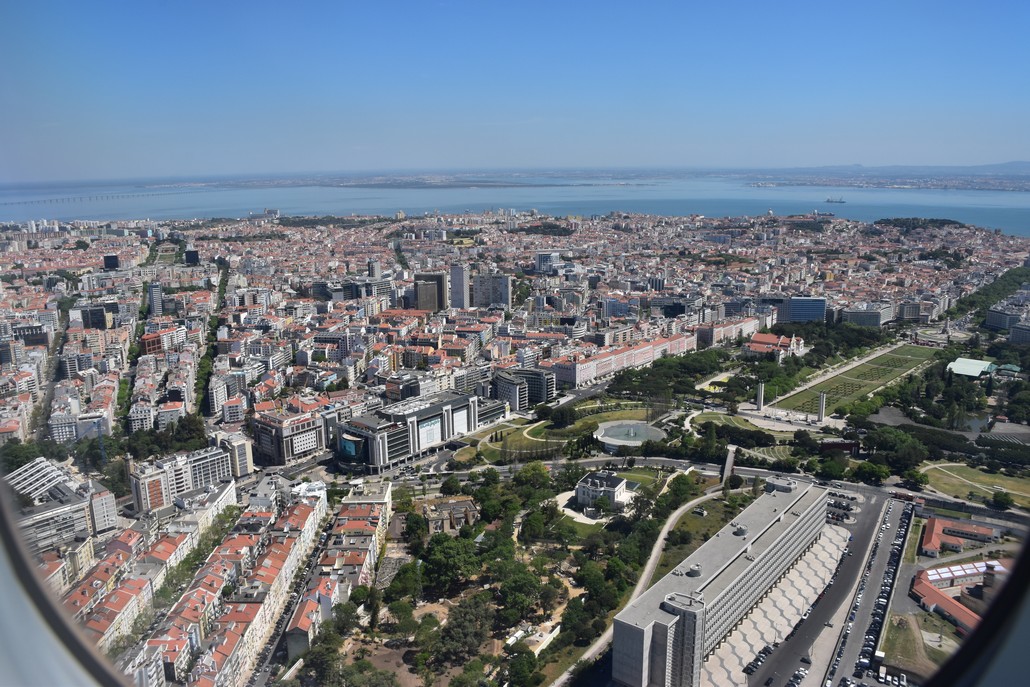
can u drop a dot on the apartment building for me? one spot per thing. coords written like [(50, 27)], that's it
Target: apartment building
[(282, 437), (155, 485), (514, 390)]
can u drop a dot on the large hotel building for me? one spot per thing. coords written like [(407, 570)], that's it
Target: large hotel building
[(663, 637)]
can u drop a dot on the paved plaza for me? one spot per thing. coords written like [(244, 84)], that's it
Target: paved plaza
[(777, 613)]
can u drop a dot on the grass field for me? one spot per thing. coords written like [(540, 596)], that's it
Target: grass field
[(897, 640), (735, 421), (583, 529), (915, 535), (955, 481), (904, 647), (953, 514), (720, 419), (856, 383), (774, 452), (515, 433), (642, 476), (544, 431)]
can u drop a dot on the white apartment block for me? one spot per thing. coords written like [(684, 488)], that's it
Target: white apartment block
[(155, 485)]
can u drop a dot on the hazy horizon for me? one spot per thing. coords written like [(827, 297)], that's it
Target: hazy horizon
[(944, 170), (101, 93)]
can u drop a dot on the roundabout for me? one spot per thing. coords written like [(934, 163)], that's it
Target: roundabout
[(943, 335)]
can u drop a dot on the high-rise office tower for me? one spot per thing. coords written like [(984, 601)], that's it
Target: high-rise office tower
[(154, 299), (546, 261), (425, 296), (442, 290), (461, 296), (807, 309)]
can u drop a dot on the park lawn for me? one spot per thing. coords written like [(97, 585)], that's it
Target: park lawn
[(774, 452), (735, 421), (856, 383), (545, 431), (584, 423), (482, 434), (1014, 485), (913, 351), (517, 441), (491, 454), (948, 484), (538, 430), (506, 426), (583, 529), (953, 484), (643, 476), (721, 419)]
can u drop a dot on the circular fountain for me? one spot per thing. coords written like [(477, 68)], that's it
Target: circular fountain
[(631, 433)]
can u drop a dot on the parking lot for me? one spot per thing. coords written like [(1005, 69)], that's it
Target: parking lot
[(860, 640)]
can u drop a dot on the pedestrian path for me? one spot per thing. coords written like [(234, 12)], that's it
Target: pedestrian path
[(777, 613)]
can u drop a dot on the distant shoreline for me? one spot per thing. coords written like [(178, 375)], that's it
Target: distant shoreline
[(1014, 185), (1013, 176), (582, 193)]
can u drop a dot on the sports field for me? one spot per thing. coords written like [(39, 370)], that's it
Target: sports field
[(857, 382)]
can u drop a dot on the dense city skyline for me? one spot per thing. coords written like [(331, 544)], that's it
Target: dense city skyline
[(316, 407), (190, 90)]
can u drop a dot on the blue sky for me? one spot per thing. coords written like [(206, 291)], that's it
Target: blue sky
[(128, 89)]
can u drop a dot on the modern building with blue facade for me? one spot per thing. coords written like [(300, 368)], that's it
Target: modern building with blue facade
[(806, 309)]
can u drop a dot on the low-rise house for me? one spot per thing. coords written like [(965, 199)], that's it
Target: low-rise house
[(602, 484)]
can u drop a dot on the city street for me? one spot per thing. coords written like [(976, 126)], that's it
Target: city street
[(274, 651)]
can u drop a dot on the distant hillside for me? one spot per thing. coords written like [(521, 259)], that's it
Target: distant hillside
[(1014, 168)]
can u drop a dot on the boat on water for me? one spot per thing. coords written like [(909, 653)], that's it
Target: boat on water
[(835, 200)]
